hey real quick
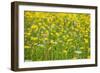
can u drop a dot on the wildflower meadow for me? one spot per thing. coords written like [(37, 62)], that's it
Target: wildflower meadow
[(56, 36)]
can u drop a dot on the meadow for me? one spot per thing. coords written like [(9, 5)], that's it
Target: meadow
[(56, 36)]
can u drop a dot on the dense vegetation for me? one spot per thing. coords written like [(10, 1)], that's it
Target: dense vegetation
[(56, 36)]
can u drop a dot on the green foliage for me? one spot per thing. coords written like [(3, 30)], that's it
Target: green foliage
[(56, 36)]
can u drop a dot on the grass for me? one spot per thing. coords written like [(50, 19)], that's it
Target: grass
[(56, 36)]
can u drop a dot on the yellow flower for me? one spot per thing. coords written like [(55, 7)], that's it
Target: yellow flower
[(86, 40), (50, 19), (34, 27), (31, 16), (57, 34), (34, 38), (26, 46), (86, 35), (45, 38), (65, 51), (81, 47), (28, 14), (28, 34), (40, 24), (78, 26), (69, 40), (64, 37), (52, 41)]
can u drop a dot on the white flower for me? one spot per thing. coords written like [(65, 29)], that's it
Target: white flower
[(55, 42), (78, 52), (41, 45)]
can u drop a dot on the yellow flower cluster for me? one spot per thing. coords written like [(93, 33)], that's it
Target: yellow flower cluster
[(26, 46), (34, 38)]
